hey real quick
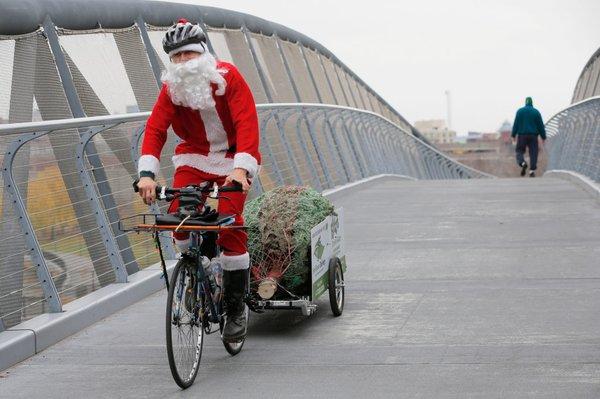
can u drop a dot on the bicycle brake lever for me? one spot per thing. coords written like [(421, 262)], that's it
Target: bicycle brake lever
[(215, 192), (162, 194)]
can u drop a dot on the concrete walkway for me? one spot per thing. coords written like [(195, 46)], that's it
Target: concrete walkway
[(487, 289)]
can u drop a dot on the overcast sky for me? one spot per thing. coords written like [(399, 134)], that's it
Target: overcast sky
[(489, 54)]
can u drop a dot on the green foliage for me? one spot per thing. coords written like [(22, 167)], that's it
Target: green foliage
[(279, 224)]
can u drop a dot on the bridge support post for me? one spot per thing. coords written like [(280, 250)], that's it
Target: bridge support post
[(280, 127), (398, 145), (361, 129), (152, 57), (375, 145), (304, 144), (319, 151), (263, 124), (386, 139), (20, 109), (358, 153), (37, 257), (345, 134), (409, 149), (337, 100), (77, 111), (112, 248), (304, 117), (335, 149)]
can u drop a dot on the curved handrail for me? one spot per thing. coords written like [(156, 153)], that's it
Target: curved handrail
[(27, 127), (572, 106), (71, 123), (574, 138), (283, 106)]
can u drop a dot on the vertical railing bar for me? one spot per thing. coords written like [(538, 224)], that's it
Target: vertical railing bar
[(311, 163), (298, 99), (37, 256), (330, 85), (368, 139), (112, 248), (319, 150), (344, 136), (263, 79), (333, 146), (263, 123), (150, 52), (77, 111), (365, 137), (362, 163)]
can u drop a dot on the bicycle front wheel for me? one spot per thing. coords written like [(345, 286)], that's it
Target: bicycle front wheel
[(185, 334)]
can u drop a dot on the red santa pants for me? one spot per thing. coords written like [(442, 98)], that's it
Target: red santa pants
[(232, 242)]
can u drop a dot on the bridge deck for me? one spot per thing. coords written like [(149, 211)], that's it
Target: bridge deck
[(482, 288)]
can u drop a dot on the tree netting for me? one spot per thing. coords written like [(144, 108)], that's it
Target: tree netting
[(279, 223)]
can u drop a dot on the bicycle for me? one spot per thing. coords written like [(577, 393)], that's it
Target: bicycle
[(194, 305)]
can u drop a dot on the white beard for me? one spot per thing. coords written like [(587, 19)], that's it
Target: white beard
[(189, 82)]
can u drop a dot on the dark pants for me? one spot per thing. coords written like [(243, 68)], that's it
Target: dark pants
[(524, 142)]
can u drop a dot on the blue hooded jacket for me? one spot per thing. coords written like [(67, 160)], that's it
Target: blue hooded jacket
[(528, 121)]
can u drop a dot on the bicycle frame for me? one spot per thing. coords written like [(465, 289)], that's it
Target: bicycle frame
[(202, 284), (196, 294)]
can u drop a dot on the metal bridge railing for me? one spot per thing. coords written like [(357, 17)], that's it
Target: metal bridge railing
[(324, 146), (56, 226), (574, 138), (66, 183)]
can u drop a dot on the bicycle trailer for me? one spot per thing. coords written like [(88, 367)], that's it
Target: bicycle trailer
[(325, 266)]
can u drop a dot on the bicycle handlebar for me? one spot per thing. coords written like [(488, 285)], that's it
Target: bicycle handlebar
[(168, 193)]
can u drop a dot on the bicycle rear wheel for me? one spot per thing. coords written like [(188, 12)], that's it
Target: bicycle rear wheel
[(185, 334)]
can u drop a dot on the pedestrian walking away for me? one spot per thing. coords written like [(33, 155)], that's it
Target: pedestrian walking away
[(527, 127)]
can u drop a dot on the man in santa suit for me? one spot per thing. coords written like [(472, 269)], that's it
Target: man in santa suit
[(210, 107)]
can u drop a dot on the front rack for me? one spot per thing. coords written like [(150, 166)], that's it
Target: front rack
[(146, 222)]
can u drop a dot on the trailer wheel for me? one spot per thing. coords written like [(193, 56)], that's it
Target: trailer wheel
[(336, 286)]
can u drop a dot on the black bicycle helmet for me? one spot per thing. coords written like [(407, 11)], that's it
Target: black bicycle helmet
[(184, 36)]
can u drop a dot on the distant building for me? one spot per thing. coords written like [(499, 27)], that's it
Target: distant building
[(475, 137), (490, 136), (436, 131), (505, 132)]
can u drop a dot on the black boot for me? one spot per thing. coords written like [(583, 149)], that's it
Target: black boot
[(523, 168), (236, 313)]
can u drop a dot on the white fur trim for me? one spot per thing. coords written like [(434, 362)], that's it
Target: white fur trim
[(235, 262), (197, 47), (214, 163), (215, 132), (149, 163), (246, 161), (182, 245)]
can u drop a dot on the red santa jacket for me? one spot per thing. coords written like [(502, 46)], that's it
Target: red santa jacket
[(215, 140)]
